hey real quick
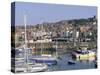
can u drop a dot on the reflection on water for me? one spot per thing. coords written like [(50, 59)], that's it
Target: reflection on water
[(63, 64)]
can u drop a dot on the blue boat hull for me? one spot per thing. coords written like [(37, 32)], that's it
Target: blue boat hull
[(71, 62), (48, 62)]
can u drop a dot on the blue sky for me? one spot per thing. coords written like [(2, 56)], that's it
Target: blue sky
[(40, 12)]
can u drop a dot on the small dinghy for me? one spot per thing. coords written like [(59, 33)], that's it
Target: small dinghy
[(95, 64), (71, 62)]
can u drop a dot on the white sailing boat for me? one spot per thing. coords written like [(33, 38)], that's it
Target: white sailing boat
[(27, 66), (45, 58)]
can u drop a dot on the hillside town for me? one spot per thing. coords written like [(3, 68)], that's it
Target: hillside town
[(77, 30)]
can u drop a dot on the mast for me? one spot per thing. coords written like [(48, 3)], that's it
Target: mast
[(56, 48), (41, 39), (25, 47)]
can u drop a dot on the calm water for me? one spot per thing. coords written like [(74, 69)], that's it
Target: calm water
[(63, 64)]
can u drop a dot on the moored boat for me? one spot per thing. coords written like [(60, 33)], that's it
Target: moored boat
[(71, 62), (83, 54), (36, 67), (47, 59)]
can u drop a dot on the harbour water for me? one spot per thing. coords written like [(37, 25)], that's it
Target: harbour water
[(63, 64)]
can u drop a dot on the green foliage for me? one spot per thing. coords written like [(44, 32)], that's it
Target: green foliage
[(80, 22)]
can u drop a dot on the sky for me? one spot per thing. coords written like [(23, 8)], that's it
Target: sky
[(37, 13)]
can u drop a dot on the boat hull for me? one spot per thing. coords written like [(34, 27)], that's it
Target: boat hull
[(86, 56), (48, 62)]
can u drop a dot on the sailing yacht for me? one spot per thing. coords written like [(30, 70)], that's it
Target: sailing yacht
[(45, 58), (29, 66)]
